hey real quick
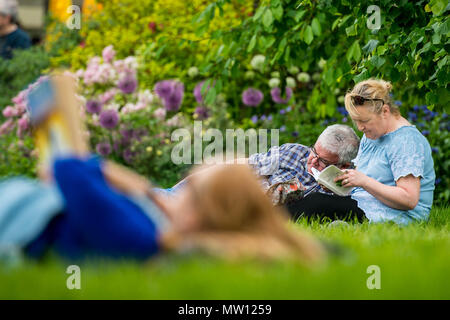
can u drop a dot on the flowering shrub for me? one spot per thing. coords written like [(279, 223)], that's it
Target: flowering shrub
[(124, 122)]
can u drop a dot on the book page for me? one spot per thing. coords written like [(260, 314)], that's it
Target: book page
[(326, 177)]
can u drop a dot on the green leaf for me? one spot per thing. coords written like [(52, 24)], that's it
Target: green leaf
[(259, 13), (370, 46), (377, 61), (363, 75), (381, 50), (438, 6), (354, 52), (267, 19), (351, 31), (316, 28), (335, 23), (277, 12), (308, 35), (299, 15), (251, 44)]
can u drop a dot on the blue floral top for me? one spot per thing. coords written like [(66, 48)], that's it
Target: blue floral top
[(396, 154)]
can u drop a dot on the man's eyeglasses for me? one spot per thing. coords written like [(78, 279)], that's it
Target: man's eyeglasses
[(359, 101), (322, 162)]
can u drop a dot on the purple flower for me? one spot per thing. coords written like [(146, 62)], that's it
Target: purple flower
[(283, 128), (109, 119), (344, 119), (103, 148), (252, 97), (164, 88), (269, 118), (282, 111), (295, 134), (173, 101), (288, 109), (128, 155), (437, 181), (416, 108), (412, 116), (128, 84), (398, 102), (127, 135), (202, 113), (425, 132), (93, 106), (276, 95), (434, 150), (139, 133), (263, 117), (254, 119), (342, 111), (198, 91)]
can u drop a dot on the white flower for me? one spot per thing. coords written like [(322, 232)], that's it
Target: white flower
[(290, 82), (274, 82), (131, 63), (303, 77), (193, 72), (113, 106), (322, 62), (145, 97), (293, 70), (249, 75), (316, 77), (160, 113), (175, 121), (257, 62), (275, 74)]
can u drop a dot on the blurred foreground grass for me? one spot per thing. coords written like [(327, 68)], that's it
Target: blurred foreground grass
[(414, 263)]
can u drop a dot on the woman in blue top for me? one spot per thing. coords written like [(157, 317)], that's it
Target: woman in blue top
[(394, 175)]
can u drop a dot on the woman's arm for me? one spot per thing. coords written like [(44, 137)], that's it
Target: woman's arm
[(404, 196), (124, 179)]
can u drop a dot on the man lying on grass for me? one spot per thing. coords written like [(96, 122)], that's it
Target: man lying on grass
[(292, 163)]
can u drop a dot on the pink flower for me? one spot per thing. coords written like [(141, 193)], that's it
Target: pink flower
[(7, 126), (108, 95), (20, 98), (23, 125), (9, 112), (108, 53), (160, 113)]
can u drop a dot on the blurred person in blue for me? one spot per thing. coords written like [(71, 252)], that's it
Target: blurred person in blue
[(11, 35), (92, 207)]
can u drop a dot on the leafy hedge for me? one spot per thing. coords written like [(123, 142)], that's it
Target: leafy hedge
[(410, 49), (16, 74)]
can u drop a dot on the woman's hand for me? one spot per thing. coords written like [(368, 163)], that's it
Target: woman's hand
[(353, 178)]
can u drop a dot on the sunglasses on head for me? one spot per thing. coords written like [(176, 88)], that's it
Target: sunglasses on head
[(359, 101)]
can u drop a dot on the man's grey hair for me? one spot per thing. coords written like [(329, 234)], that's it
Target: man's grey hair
[(341, 140)]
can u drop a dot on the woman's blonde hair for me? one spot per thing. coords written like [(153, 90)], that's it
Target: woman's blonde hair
[(371, 89), (237, 219)]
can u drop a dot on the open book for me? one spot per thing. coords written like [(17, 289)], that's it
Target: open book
[(326, 178)]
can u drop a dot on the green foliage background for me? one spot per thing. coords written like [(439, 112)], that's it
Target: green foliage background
[(330, 40)]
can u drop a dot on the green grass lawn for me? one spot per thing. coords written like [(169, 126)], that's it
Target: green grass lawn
[(414, 262)]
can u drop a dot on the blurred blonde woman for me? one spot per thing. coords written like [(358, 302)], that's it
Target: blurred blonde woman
[(224, 211), (94, 207)]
